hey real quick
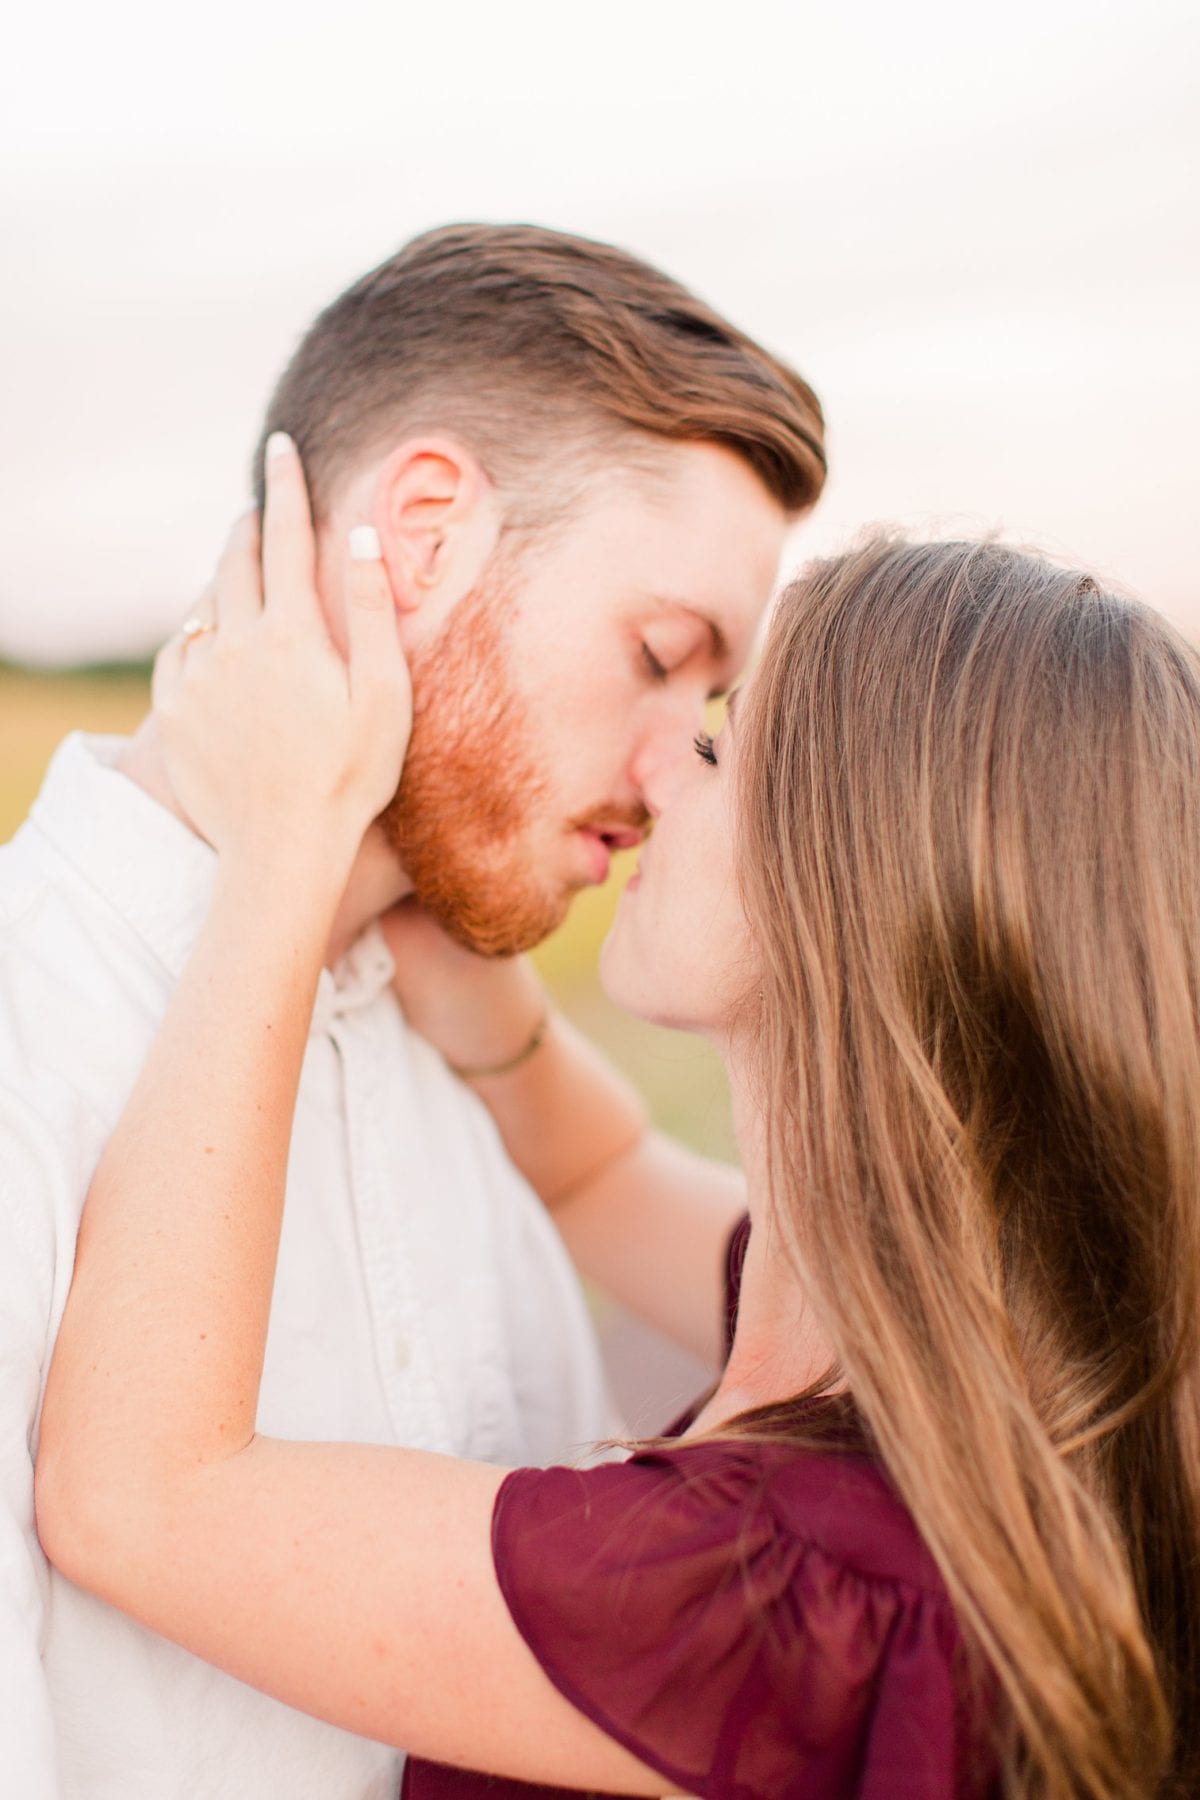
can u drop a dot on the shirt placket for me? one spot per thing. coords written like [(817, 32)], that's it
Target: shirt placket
[(378, 1175)]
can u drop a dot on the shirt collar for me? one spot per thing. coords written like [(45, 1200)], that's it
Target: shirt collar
[(157, 874)]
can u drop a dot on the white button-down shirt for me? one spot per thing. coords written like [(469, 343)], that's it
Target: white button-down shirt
[(422, 1296)]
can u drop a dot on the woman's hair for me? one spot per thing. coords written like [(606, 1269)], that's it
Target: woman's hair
[(970, 823)]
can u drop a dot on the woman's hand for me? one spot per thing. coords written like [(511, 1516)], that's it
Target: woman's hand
[(276, 746)]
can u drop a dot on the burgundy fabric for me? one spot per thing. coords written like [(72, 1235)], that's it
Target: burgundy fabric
[(750, 1619)]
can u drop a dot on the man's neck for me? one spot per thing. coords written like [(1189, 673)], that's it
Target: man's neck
[(376, 881)]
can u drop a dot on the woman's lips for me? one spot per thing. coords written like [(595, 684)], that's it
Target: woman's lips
[(599, 855), (635, 880)]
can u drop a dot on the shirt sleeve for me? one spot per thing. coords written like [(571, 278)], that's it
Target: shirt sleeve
[(27, 1740), (663, 1600)]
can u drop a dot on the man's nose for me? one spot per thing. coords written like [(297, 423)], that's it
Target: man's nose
[(661, 756)]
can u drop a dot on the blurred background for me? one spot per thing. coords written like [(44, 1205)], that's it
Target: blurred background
[(974, 230)]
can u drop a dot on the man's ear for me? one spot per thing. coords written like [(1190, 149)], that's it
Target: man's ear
[(438, 519)]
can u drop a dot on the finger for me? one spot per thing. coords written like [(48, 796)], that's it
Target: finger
[(168, 665), (375, 655), (168, 669), (289, 560), (201, 621), (236, 594), (177, 655)]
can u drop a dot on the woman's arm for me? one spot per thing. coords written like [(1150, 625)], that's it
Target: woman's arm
[(352, 1582), (646, 1219), (355, 1583)]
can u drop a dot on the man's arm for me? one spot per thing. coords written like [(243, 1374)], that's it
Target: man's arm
[(29, 1176)]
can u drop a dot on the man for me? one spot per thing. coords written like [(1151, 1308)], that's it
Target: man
[(580, 477)]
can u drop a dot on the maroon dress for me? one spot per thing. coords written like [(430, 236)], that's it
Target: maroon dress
[(749, 1619)]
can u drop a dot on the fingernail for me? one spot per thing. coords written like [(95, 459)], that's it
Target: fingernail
[(364, 543), (277, 445)]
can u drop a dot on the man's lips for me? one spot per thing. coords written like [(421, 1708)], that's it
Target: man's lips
[(601, 843)]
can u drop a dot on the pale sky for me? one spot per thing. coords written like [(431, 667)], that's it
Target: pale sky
[(974, 229)]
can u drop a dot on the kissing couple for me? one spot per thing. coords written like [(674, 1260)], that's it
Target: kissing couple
[(310, 1398)]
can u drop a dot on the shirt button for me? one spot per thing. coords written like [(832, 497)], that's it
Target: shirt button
[(401, 1354)]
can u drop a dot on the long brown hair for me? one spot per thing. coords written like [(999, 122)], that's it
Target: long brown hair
[(970, 820)]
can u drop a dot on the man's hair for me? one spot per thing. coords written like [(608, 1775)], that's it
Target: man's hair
[(544, 353)]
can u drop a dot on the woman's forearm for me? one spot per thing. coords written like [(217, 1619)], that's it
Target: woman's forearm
[(565, 1115), (644, 1218), (564, 1112), (159, 1359)]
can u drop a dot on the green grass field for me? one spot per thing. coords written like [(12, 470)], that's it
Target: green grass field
[(681, 1079)]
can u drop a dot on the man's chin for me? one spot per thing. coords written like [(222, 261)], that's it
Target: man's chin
[(494, 927)]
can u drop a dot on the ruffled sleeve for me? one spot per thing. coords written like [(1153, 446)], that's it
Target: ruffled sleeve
[(746, 1619)]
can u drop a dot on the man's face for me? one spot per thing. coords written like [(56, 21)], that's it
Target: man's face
[(563, 692)]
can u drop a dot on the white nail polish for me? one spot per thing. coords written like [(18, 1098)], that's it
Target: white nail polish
[(277, 445), (364, 543)]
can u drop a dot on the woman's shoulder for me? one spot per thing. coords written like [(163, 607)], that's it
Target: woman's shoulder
[(733, 1610), (790, 1498), (836, 1501)]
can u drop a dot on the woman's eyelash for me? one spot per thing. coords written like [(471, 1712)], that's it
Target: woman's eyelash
[(658, 670), (703, 746)]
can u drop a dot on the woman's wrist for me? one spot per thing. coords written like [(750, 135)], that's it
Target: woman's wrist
[(486, 1024), (513, 1060), (299, 878)]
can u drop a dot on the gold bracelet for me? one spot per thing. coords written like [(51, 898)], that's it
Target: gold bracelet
[(513, 1062)]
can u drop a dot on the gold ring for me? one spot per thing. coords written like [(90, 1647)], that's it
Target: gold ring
[(194, 627)]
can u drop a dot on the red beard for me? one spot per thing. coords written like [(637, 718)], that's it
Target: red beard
[(460, 821)]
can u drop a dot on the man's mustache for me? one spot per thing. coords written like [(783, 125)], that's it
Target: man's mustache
[(627, 823)]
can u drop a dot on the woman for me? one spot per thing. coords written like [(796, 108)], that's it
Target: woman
[(936, 1530)]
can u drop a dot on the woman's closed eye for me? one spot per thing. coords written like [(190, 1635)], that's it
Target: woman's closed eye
[(705, 748)]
